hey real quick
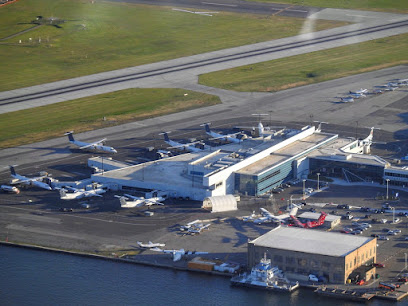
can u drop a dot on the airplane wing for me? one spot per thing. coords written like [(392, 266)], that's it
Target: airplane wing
[(41, 185), (93, 144), (177, 256)]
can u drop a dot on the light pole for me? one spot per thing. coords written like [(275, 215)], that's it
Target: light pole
[(405, 260), (304, 189), (318, 186), (393, 214), (387, 188)]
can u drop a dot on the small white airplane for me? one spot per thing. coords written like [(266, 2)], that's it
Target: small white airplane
[(129, 201), (93, 146), (357, 95), (178, 145), (150, 245), (249, 218), (386, 87), (10, 189), (75, 194), (360, 91), (347, 99), (178, 254), (228, 137), (197, 228), (33, 181), (267, 217), (189, 225)]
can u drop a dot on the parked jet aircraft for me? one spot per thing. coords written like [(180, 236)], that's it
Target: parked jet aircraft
[(229, 137), (129, 201), (347, 99), (93, 146), (178, 254), (75, 194), (34, 181), (357, 95), (360, 91), (178, 145), (150, 245), (9, 189)]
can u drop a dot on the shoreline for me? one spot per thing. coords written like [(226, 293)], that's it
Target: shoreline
[(341, 294)]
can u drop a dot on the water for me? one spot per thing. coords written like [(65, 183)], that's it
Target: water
[(31, 277)]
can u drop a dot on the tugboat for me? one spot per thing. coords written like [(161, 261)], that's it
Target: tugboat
[(264, 276)]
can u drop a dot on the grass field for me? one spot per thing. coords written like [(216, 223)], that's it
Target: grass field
[(396, 6), (312, 67), (105, 36), (41, 123)]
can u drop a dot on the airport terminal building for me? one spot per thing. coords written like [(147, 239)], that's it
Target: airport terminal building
[(333, 256), (253, 166)]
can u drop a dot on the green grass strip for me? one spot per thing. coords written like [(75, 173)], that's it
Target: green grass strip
[(312, 67), (41, 123), (104, 36)]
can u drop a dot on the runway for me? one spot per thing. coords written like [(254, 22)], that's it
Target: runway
[(184, 72)]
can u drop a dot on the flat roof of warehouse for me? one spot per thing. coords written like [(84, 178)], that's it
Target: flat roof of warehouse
[(311, 241)]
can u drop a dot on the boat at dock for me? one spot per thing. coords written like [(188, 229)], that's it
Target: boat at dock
[(264, 276)]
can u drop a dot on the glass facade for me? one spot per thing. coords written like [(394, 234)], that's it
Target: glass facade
[(351, 172)]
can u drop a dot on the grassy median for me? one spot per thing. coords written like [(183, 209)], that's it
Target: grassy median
[(312, 67), (101, 36), (41, 123)]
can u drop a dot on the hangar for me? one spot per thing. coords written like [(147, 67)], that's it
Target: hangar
[(333, 256), (252, 167)]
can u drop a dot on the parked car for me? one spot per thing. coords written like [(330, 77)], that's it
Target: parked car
[(360, 282), (403, 280), (366, 224), (390, 232), (379, 265), (383, 221), (383, 238), (398, 231), (406, 238), (348, 217), (375, 235)]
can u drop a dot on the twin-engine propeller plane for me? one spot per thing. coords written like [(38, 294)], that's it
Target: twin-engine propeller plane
[(228, 137), (129, 201), (91, 146), (191, 147), (32, 181), (70, 193), (178, 254)]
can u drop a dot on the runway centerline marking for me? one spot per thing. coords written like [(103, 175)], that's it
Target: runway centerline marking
[(220, 4)]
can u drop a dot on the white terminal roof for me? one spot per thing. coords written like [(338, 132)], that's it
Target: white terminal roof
[(311, 241), (171, 170), (289, 151)]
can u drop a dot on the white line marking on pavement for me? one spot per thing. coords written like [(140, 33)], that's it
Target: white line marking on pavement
[(220, 4)]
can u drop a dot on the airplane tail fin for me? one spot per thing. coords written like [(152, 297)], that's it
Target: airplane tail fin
[(13, 172), (62, 193), (122, 201), (70, 135), (207, 128), (166, 136)]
